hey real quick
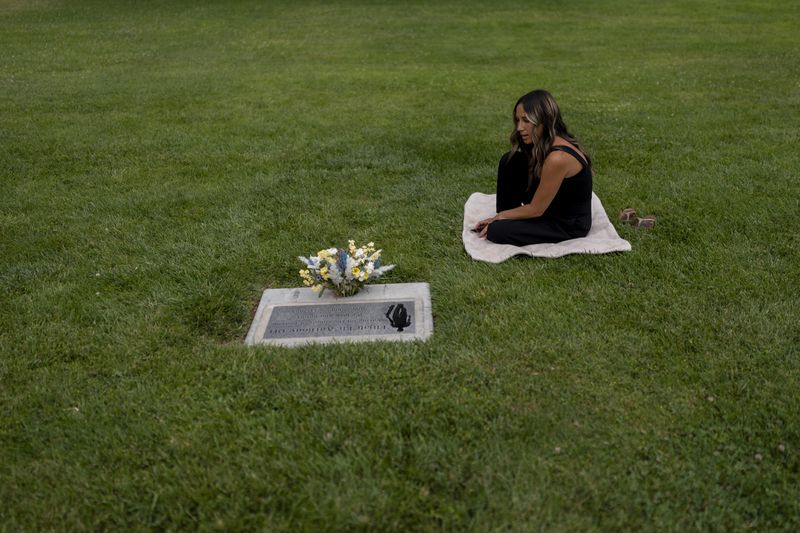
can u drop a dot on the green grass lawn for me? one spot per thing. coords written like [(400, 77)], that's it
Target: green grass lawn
[(162, 163)]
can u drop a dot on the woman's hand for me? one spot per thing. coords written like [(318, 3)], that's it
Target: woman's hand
[(483, 226)]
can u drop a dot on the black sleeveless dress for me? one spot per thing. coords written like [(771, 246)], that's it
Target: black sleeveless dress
[(568, 216)]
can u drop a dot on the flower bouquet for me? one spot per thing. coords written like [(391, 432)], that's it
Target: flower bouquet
[(344, 271)]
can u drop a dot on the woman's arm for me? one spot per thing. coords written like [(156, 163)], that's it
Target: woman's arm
[(554, 170)]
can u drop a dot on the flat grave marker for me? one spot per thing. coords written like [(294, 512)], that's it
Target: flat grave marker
[(386, 312)]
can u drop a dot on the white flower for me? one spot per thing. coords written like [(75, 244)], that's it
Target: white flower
[(351, 264), (384, 269), (335, 275)]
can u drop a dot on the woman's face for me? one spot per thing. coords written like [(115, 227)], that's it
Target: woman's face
[(526, 129)]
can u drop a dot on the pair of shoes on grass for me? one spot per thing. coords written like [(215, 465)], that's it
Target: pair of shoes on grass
[(628, 216)]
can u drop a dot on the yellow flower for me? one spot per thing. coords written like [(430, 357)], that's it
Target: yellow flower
[(316, 288), (356, 272)]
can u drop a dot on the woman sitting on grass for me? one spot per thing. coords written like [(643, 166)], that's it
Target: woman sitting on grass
[(544, 184)]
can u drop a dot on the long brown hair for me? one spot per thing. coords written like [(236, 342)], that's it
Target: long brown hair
[(541, 109)]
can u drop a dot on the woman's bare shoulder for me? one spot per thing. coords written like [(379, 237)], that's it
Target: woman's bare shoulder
[(558, 162), (560, 141)]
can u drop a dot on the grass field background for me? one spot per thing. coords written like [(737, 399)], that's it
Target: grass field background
[(162, 163)]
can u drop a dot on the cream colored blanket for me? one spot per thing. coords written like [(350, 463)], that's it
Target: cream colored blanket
[(602, 238)]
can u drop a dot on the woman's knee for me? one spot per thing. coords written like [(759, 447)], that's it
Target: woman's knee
[(497, 232)]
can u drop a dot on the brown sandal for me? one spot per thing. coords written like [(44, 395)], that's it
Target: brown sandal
[(627, 216), (647, 222)]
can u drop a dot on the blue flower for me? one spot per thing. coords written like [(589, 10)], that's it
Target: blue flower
[(341, 260)]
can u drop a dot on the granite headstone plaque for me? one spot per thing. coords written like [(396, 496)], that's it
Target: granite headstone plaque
[(393, 312)]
